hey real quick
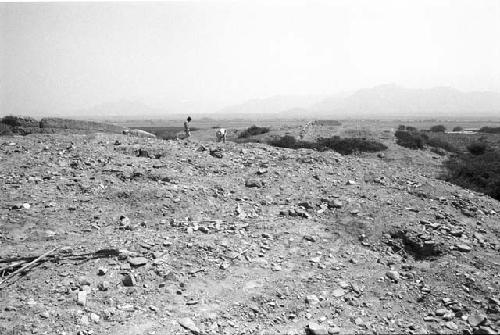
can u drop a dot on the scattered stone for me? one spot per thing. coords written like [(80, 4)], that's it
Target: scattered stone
[(84, 320), (103, 286), (217, 153), (451, 325), (310, 238), (463, 248), (336, 204), (128, 280), (275, 267), (94, 318), (359, 322), (261, 171), (334, 330), (475, 319), (485, 330), (101, 271), (441, 311), (316, 259), (337, 293), (351, 182), (312, 299), (138, 261), (142, 153), (254, 183), (125, 222), (224, 265), (316, 329), (189, 325), (82, 298), (393, 275)]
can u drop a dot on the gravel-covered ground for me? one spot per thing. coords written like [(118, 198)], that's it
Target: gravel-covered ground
[(177, 237)]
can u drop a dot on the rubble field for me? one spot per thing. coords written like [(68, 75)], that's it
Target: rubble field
[(112, 234)]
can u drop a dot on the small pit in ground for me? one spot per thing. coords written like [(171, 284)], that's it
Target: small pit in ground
[(415, 244)]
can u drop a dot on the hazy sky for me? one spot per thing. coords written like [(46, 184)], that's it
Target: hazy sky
[(59, 56)]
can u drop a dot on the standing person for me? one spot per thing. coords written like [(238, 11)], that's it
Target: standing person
[(220, 135), (186, 127)]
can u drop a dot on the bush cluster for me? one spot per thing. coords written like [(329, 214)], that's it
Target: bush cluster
[(411, 139), (419, 139), (253, 130), (10, 120), (477, 172), (440, 143), (345, 146), (5, 129), (438, 129), (407, 128), (458, 128), (490, 130), (477, 148), (348, 146)]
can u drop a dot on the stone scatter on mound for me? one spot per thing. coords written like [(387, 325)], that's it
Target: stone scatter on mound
[(239, 239)]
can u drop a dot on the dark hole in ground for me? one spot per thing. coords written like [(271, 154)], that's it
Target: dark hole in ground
[(416, 244)]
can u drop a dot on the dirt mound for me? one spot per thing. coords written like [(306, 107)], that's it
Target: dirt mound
[(186, 237), (58, 123)]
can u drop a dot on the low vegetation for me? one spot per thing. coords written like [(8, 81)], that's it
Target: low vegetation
[(345, 146), (476, 171), (5, 129), (415, 139), (407, 128), (253, 131), (438, 129), (411, 139), (477, 148), (9, 120), (439, 143), (490, 130)]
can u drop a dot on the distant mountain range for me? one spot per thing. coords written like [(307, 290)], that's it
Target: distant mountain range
[(287, 106), (391, 101), (385, 101), (380, 102)]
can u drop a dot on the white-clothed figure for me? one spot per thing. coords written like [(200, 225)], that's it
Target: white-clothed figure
[(220, 135)]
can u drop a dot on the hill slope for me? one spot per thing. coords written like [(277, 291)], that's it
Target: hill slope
[(262, 240)]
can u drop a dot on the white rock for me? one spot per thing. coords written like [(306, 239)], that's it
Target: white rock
[(189, 325)]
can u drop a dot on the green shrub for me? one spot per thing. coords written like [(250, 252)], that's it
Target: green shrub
[(286, 141), (490, 130), (440, 143), (10, 120), (477, 172), (407, 128), (253, 130), (458, 129), (477, 148), (345, 146), (438, 129), (412, 140), (5, 129)]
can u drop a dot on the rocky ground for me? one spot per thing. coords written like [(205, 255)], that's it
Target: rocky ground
[(183, 237)]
